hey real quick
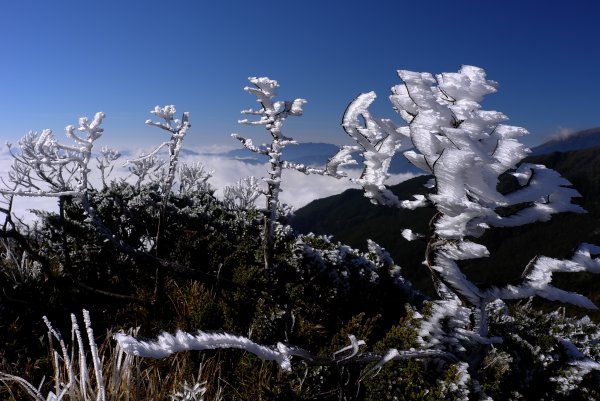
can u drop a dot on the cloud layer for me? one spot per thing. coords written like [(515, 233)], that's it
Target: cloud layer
[(298, 189)]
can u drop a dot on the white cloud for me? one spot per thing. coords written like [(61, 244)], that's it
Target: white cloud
[(562, 133), (298, 189), (22, 205)]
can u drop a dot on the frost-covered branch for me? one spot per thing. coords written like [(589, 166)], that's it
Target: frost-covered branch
[(45, 167), (272, 115), (342, 158), (466, 149), (248, 144), (378, 139), (243, 194), (178, 128), (538, 277), (167, 344), (106, 163)]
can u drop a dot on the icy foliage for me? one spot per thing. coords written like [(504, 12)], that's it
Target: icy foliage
[(461, 387), (243, 194), (378, 140), (340, 261), (538, 278), (272, 114), (567, 354), (45, 167), (193, 178), (449, 328), (318, 257), (177, 128)]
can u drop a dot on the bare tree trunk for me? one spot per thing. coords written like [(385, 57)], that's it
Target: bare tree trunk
[(64, 237), (268, 240)]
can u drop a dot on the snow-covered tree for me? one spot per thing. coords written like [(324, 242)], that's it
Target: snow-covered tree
[(243, 194), (272, 114), (466, 150), (177, 128), (44, 167)]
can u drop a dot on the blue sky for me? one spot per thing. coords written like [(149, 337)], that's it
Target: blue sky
[(68, 58)]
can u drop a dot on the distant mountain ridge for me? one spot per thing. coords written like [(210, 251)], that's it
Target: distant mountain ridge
[(589, 138), (310, 154), (315, 154)]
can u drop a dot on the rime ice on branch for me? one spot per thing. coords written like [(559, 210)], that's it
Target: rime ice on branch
[(272, 115), (167, 344), (178, 128), (377, 139), (466, 149), (243, 194), (45, 167)]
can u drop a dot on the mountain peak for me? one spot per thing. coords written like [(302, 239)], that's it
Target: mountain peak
[(589, 138)]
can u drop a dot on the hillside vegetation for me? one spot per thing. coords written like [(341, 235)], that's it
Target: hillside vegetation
[(187, 296)]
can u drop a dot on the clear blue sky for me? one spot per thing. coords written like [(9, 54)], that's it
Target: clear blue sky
[(66, 58)]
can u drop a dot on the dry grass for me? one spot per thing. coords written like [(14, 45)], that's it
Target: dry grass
[(106, 373)]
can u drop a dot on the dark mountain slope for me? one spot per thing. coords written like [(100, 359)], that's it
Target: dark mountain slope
[(589, 138), (351, 219)]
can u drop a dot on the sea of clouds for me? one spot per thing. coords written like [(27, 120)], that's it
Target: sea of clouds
[(297, 189)]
